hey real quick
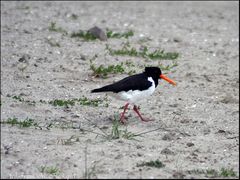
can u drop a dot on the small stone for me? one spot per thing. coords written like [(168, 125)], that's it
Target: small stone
[(98, 33), (221, 131), (190, 144), (83, 57)]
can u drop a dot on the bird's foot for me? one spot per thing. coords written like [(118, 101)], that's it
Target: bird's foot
[(123, 119), (122, 114), (146, 119), (135, 108)]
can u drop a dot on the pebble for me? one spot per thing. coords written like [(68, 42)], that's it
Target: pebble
[(98, 33), (190, 144)]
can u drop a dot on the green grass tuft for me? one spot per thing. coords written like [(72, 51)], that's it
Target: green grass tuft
[(214, 173), (82, 101), (60, 102), (89, 102), (111, 34), (145, 53), (84, 35), (22, 123), (19, 98), (49, 170), (227, 172), (117, 132), (103, 72)]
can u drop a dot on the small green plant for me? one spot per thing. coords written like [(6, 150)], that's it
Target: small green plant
[(156, 164), (103, 72), (88, 36), (60, 102), (157, 54), (84, 35), (117, 133), (19, 98), (89, 102), (111, 34), (227, 172), (82, 101), (128, 135), (54, 28), (24, 123), (49, 170), (214, 173)]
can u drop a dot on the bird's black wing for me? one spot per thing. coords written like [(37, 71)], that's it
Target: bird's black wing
[(135, 82)]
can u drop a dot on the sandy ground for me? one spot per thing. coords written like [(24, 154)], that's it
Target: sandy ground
[(197, 120)]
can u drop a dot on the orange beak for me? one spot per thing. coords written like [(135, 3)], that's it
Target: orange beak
[(167, 79)]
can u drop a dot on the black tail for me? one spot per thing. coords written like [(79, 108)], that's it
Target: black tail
[(103, 89)]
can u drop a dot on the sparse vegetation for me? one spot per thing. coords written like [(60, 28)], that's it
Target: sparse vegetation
[(156, 164), (117, 133), (61, 102), (214, 173), (22, 123), (111, 34), (50, 170), (130, 51), (84, 35), (82, 101), (103, 72), (68, 102), (227, 172), (88, 36), (21, 99)]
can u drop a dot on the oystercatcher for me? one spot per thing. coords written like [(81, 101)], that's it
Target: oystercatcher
[(135, 88)]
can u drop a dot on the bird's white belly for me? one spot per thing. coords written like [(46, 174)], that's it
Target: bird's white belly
[(136, 95)]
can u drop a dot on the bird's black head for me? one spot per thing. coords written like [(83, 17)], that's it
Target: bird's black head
[(156, 73), (153, 72)]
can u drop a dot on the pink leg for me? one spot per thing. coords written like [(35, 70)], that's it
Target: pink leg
[(138, 113), (122, 115)]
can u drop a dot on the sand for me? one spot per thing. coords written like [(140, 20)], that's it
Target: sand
[(195, 127)]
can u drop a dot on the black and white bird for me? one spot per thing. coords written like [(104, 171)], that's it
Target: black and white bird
[(135, 88)]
